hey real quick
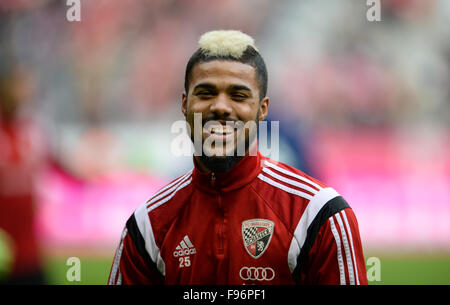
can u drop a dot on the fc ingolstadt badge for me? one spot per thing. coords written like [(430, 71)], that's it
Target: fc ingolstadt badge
[(257, 234)]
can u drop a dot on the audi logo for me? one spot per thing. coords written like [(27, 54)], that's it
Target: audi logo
[(257, 273)]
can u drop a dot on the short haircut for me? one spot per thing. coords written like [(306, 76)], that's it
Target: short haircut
[(232, 46)]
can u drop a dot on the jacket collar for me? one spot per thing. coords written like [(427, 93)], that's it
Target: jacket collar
[(241, 174)]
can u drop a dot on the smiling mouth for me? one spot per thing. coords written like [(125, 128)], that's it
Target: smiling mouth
[(221, 130)]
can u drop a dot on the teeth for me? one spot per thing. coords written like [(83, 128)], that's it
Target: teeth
[(220, 129)]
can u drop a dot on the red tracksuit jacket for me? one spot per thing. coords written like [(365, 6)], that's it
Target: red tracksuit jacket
[(263, 222)]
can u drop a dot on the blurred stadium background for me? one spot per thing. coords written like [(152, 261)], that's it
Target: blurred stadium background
[(363, 106)]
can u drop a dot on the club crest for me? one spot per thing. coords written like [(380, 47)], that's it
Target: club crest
[(257, 234)]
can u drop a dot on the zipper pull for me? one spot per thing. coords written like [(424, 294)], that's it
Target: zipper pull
[(213, 179)]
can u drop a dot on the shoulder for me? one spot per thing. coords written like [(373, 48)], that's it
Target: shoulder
[(287, 189), (163, 205), (169, 192), (312, 201), (284, 178)]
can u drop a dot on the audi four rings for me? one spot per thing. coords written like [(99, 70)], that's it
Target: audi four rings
[(257, 273)]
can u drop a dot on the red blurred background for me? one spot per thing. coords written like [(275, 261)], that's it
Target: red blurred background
[(363, 106)]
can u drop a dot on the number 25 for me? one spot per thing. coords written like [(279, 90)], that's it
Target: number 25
[(184, 261)]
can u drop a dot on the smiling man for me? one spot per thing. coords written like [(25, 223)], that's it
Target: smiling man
[(225, 85), (238, 217)]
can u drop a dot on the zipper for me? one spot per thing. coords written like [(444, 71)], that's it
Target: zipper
[(213, 179), (220, 249), (221, 225)]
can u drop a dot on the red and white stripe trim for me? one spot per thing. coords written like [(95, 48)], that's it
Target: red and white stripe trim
[(169, 191), (351, 244), (168, 188), (344, 241), (293, 175), (339, 251), (284, 187), (288, 181), (116, 265)]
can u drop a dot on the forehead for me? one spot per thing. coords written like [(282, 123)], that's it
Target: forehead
[(224, 73)]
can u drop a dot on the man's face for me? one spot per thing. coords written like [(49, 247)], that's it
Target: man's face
[(226, 95)]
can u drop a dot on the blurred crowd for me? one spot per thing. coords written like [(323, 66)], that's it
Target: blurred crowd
[(101, 89), (328, 65)]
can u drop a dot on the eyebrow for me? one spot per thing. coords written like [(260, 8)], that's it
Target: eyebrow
[(211, 86), (204, 86), (240, 87)]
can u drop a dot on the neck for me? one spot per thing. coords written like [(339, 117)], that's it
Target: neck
[(221, 164)]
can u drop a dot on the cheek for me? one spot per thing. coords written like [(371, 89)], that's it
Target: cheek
[(197, 107), (194, 119), (247, 112)]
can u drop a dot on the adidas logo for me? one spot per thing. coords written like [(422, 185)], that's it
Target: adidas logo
[(184, 248)]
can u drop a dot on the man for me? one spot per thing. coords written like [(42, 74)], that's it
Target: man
[(237, 217)]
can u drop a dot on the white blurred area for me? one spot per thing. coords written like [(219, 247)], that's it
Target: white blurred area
[(363, 106)]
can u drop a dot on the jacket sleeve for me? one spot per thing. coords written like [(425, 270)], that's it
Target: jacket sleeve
[(336, 256), (132, 264)]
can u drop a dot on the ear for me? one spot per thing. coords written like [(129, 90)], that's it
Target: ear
[(184, 103), (263, 108)]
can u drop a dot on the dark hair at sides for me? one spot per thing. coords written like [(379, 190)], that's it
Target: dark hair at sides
[(250, 57)]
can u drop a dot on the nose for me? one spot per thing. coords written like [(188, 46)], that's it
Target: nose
[(221, 106)]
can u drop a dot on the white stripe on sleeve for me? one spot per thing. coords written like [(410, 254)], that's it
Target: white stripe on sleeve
[(116, 264), (119, 278), (145, 227), (348, 255), (351, 244), (339, 252)]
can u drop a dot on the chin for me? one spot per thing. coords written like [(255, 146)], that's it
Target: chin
[(220, 163), (220, 154)]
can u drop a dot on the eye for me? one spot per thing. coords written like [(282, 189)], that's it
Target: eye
[(238, 96), (204, 94)]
